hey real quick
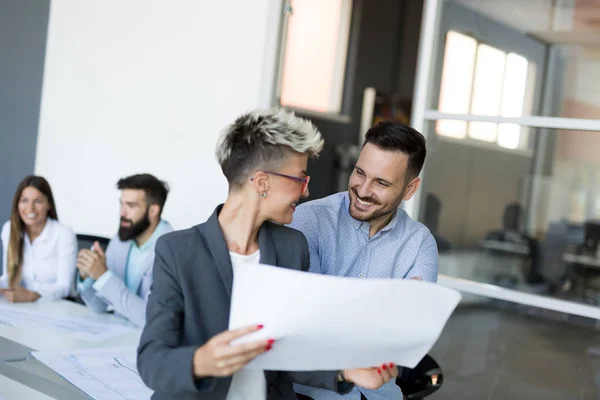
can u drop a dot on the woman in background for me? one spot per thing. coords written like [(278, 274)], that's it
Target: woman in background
[(39, 253)]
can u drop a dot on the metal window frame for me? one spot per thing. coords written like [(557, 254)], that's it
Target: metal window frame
[(421, 114)]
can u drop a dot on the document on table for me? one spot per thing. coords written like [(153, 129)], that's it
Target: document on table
[(101, 373), (328, 323), (76, 328)]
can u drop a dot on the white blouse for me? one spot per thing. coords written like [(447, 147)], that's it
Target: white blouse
[(49, 262), (247, 384)]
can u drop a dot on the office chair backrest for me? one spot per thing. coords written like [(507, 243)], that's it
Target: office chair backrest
[(592, 235), (512, 219), (559, 236), (426, 378), (433, 207), (86, 241)]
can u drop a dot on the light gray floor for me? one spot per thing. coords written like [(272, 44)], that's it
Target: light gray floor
[(497, 352), (493, 350)]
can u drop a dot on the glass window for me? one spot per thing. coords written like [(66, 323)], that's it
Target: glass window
[(480, 79), (457, 75), (527, 220), (562, 37), (314, 54)]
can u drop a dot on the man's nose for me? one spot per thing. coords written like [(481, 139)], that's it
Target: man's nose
[(364, 190)]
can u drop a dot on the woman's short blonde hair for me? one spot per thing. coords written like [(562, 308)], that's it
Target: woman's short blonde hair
[(264, 138)]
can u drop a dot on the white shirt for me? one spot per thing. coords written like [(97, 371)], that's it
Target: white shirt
[(247, 384), (48, 263)]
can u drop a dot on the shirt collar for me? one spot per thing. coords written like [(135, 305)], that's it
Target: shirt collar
[(158, 231), (46, 232), (359, 224)]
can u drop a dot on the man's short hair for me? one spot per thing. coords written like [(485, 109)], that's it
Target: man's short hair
[(263, 139), (155, 190), (394, 136)]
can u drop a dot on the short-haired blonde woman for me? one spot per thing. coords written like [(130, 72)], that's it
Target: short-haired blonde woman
[(185, 349)]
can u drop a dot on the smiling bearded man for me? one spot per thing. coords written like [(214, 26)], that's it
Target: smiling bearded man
[(363, 233)]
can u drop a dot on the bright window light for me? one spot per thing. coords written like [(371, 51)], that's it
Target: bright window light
[(487, 90), (509, 136), (457, 81), (486, 131), (479, 79), (515, 85), (314, 59)]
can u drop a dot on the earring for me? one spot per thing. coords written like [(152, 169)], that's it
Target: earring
[(263, 195)]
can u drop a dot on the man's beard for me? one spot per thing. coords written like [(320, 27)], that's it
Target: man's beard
[(376, 214), (135, 229)]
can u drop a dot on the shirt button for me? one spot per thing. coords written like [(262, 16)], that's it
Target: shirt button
[(360, 275)]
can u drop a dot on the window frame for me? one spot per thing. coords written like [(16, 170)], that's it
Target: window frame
[(525, 143), (336, 109)]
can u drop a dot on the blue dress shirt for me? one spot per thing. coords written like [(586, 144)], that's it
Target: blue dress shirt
[(340, 245)]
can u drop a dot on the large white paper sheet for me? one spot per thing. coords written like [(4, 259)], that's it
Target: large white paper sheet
[(328, 323), (76, 328), (106, 374)]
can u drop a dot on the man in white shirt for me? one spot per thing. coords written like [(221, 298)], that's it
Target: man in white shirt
[(121, 279)]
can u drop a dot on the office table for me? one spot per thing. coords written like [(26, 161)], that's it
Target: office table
[(584, 267), (581, 259), (505, 247), (10, 389), (25, 374)]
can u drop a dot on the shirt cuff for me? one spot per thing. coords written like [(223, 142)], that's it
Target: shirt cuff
[(99, 284), (85, 284)]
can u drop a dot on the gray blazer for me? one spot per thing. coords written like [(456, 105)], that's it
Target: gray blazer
[(189, 303), (115, 293)]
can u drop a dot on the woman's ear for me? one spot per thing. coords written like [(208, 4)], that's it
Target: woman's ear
[(260, 182)]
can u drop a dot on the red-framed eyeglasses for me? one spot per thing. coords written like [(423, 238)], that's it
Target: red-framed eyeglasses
[(304, 180)]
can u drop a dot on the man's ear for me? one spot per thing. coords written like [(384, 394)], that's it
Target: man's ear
[(154, 211), (412, 188)]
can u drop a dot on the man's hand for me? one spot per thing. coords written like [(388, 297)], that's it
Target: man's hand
[(371, 378), (19, 295), (82, 274), (92, 263), (217, 357)]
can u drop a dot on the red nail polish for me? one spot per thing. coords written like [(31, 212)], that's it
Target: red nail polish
[(391, 365), (259, 326), (271, 341), (269, 347), (378, 371), (384, 366)]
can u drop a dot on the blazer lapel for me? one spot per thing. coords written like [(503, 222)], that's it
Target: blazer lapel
[(148, 262), (268, 254), (220, 253), (218, 249), (120, 265)]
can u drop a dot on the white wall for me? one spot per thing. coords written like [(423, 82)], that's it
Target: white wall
[(145, 86)]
